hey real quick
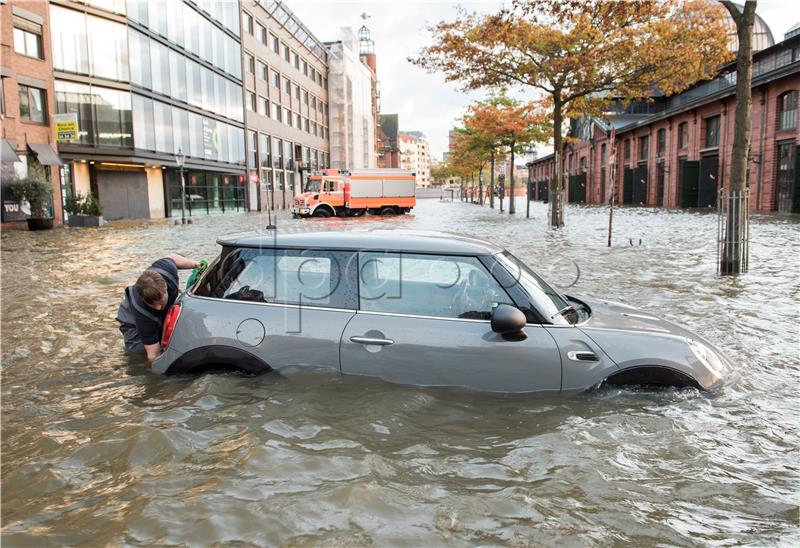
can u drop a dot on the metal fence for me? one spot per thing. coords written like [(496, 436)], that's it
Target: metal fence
[(733, 241)]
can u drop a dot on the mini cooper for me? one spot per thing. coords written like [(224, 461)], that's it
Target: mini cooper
[(418, 308)]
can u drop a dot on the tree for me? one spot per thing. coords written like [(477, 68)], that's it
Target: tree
[(503, 121), (733, 252), (581, 54), (469, 156)]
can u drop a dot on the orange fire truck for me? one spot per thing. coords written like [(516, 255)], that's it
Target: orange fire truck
[(341, 193)]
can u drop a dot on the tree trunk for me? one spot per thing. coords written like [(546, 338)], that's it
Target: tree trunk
[(511, 209), (732, 256), (491, 189), (556, 207)]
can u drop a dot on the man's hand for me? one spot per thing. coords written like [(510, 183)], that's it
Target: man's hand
[(153, 351)]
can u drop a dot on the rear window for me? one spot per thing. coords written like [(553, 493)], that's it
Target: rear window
[(283, 276)]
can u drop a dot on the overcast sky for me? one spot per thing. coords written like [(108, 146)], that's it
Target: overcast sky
[(424, 102)]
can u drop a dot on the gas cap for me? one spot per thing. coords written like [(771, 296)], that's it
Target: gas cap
[(250, 332)]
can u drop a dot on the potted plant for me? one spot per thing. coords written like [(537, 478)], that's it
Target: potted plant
[(93, 211), (37, 191), (84, 210)]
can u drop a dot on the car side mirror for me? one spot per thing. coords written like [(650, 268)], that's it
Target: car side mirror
[(509, 321)]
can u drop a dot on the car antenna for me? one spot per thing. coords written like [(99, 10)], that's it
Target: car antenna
[(270, 225)]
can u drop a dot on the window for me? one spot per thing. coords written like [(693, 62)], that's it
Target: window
[(313, 102), (298, 121), (627, 149), (296, 60), (297, 92), (313, 75), (28, 38), (32, 105), (603, 154), (263, 153), (261, 33), (287, 116), (276, 44), (305, 97), (287, 86), (583, 164), (644, 147), (251, 101), (284, 276), (248, 23), (307, 125), (683, 135), (712, 131), (661, 142), (276, 79), (276, 112), (263, 106), (787, 110), (286, 52), (427, 285), (305, 67), (2, 96), (252, 151), (251, 64), (262, 71)]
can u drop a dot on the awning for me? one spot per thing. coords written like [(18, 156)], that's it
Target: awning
[(8, 154), (45, 154)]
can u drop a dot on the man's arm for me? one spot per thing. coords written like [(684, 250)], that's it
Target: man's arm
[(153, 351), (182, 262)]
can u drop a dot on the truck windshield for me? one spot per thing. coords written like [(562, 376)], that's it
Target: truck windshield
[(547, 300), (312, 185)]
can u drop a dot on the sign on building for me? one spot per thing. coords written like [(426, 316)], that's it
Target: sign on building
[(502, 168), (66, 127)]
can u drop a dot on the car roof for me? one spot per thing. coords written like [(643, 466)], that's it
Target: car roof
[(411, 241)]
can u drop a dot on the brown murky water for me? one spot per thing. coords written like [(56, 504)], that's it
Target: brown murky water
[(97, 450)]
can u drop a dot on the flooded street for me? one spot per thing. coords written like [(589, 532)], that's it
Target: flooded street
[(97, 450)]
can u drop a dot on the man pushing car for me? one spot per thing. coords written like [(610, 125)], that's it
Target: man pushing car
[(144, 307)]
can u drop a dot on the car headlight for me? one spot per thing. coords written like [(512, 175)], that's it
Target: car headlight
[(708, 357)]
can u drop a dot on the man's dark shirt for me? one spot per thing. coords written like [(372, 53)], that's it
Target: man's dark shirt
[(150, 331)]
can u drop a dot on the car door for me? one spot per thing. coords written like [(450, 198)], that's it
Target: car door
[(425, 320), (286, 306)]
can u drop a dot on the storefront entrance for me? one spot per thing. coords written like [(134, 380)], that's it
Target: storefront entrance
[(207, 193)]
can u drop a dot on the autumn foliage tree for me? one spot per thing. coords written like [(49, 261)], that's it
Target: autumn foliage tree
[(581, 54), (507, 123), (468, 156)]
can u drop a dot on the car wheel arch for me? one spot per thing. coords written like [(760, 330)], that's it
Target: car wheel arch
[(651, 375), (201, 359)]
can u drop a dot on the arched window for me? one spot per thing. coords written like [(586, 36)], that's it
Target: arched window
[(787, 110)]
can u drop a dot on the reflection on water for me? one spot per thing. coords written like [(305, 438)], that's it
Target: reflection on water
[(98, 450)]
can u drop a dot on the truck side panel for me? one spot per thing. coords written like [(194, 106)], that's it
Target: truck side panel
[(366, 188), (399, 187)]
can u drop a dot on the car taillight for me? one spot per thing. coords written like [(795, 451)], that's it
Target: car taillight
[(169, 324)]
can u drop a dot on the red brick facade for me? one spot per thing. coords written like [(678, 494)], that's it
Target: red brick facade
[(27, 70), (655, 177)]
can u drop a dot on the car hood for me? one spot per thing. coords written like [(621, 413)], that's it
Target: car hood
[(632, 337), (613, 315)]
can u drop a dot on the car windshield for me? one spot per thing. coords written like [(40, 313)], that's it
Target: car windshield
[(312, 185), (547, 300)]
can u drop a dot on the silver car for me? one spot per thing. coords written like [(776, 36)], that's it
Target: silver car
[(418, 308)]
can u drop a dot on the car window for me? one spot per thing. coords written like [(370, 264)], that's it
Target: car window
[(285, 276), (427, 285)]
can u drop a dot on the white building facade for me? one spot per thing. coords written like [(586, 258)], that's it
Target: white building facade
[(415, 156), (352, 125)]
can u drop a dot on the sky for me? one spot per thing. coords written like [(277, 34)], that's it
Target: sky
[(424, 102)]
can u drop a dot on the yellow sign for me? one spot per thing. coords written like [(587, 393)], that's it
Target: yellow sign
[(66, 127)]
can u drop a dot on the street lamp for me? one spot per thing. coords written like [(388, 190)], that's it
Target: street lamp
[(180, 158)]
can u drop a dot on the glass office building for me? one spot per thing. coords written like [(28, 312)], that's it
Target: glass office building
[(147, 79)]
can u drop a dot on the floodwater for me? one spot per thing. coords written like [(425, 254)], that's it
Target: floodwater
[(97, 450)]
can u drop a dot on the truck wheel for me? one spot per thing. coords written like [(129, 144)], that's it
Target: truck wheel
[(388, 211), (321, 212)]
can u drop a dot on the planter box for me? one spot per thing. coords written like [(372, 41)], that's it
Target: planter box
[(36, 223), (86, 220)]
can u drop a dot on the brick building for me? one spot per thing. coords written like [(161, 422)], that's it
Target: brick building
[(27, 102), (675, 151)]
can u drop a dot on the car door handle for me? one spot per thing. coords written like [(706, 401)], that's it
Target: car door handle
[(370, 340), (582, 356)]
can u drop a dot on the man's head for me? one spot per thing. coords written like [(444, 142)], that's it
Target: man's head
[(152, 289)]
